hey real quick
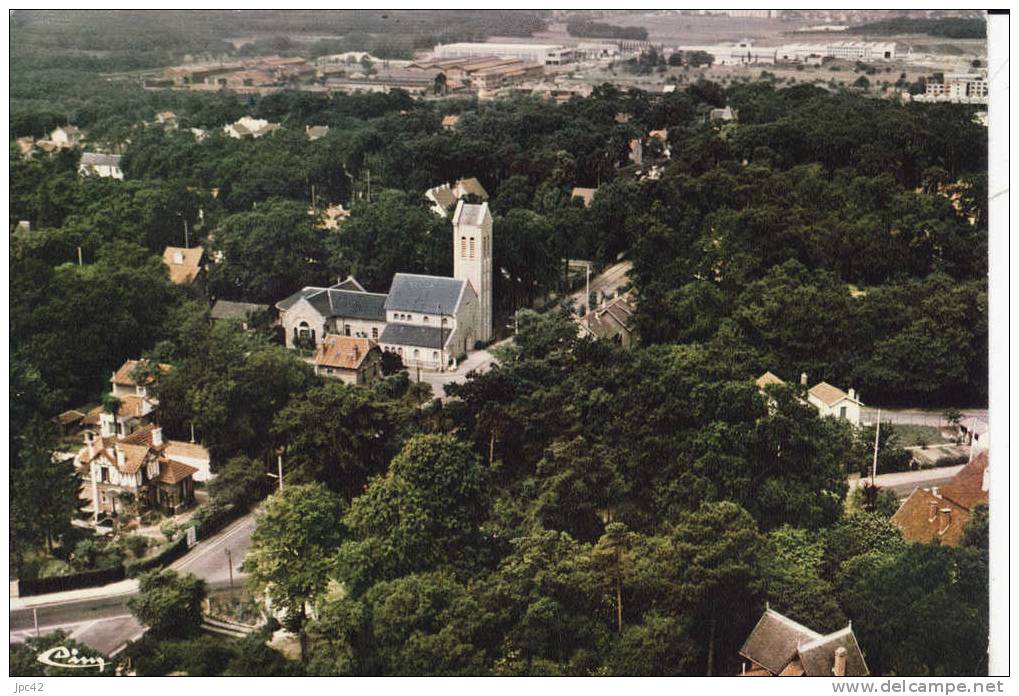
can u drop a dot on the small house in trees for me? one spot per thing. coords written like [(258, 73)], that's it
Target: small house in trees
[(316, 132), (247, 127), (185, 265), (832, 401), (828, 400), (445, 196), (349, 359), (612, 320), (450, 121), (247, 313), (781, 647), (100, 164), (584, 194), (942, 514)]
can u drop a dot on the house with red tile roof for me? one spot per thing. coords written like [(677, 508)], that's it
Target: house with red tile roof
[(142, 466), (943, 514), (349, 359)]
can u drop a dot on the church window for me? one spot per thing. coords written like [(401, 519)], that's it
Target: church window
[(435, 355), (416, 353), (472, 247), (463, 247)]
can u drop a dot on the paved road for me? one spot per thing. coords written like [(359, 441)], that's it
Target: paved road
[(919, 416), (478, 361), (904, 482), (99, 617), (606, 282)]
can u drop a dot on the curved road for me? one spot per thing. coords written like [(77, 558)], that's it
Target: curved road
[(99, 617)]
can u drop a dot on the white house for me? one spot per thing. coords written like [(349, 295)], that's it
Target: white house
[(427, 320), (247, 127), (832, 401), (100, 164), (828, 400)]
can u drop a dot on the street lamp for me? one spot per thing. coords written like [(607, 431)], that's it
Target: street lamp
[(230, 567)]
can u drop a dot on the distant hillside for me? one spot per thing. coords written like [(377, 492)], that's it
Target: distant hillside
[(949, 27)]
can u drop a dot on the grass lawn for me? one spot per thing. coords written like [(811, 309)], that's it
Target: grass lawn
[(910, 435)]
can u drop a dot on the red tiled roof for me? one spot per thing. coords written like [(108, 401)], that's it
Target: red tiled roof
[(124, 374), (171, 471), (343, 352), (925, 517), (966, 488)]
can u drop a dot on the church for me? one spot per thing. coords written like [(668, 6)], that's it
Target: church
[(429, 321)]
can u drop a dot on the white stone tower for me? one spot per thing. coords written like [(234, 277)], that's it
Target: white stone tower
[(472, 258)]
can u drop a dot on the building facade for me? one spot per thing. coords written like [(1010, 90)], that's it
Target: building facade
[(429, 321)]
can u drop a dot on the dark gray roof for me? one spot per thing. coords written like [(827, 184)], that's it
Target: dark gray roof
[(330, 302), (349, 283), (225, 309), (818, 656), (774, 641), (411, 335), (425, 294), (285, 304)]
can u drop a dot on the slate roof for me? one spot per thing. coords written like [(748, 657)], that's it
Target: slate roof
[(818, 656), (225, 309), (412, 335), (333, 302), (774, 641), (425, 294), (786, 648)]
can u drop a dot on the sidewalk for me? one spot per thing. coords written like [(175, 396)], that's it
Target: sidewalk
[(116, 589)]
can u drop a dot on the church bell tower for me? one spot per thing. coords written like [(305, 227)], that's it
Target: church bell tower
[(472, 258)]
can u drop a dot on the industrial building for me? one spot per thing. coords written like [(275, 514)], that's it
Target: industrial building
[(544, 54)]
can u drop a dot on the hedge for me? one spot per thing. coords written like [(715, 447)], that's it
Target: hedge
[(168, 554), (75, 581)]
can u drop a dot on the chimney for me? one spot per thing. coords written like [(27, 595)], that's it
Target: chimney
[(936, 492), (839, 669), (803, 378), (157, 436), (852, 393), (120, 457), (985, 484)]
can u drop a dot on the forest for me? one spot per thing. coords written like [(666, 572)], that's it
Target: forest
[(580, 509)]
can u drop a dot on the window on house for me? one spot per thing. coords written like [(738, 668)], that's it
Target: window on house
[(842, 412), (104, 474), (375, 332), (472, 247), (435, 355), (416, 353), (346, 329), (463, 247), (425, 320)]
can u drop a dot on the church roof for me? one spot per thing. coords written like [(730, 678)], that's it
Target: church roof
[(332, 302), (424, 294), (414, 335)]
